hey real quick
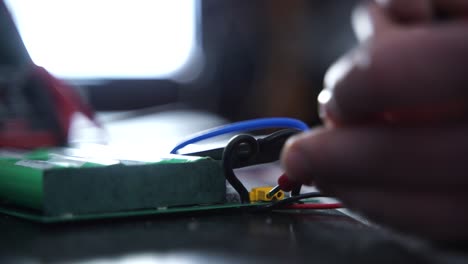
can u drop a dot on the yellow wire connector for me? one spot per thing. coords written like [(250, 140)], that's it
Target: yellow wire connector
[(261, 194)]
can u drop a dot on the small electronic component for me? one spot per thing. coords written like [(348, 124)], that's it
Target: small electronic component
[(284, 184), (260, 194), (274, 191)]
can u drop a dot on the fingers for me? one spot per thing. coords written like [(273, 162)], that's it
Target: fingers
[(420, 68), (415, 11), (369, 20), (412, 179), (423, 159), (378, 17), (423, 11), (452, 8), (396, 110)]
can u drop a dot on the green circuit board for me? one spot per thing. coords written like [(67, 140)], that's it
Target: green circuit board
[(37, 216)]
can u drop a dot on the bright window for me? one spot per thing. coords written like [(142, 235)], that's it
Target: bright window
[(91, 39)]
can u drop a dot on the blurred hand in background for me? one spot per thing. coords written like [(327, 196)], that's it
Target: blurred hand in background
[(395, 142)]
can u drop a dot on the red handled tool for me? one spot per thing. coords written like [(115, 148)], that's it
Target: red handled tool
[(36, 109)]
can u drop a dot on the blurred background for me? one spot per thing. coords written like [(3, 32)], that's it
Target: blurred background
[(158, 70), (238, 59)]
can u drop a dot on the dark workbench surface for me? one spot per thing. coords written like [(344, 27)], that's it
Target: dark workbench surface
[(230, 237)]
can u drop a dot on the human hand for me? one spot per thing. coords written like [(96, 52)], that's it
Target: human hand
[(395, 143)]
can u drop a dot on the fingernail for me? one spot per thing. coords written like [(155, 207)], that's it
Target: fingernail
[(328, 109), (295, 162), (327, 98)]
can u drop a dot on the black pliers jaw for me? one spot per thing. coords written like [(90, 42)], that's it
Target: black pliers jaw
[(246, 150)]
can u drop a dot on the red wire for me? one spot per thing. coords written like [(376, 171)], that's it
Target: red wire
[(314, 206)]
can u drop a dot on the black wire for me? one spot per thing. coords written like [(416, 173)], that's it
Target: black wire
[(293, 199), (296, 191), (240, 149)]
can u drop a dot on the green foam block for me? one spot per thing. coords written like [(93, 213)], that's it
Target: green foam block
[(55, 185)]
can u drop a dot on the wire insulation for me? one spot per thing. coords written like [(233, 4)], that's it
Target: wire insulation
[(231, 156), (250, 125)]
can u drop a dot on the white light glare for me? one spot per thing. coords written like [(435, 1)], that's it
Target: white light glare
[(108, 38)]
